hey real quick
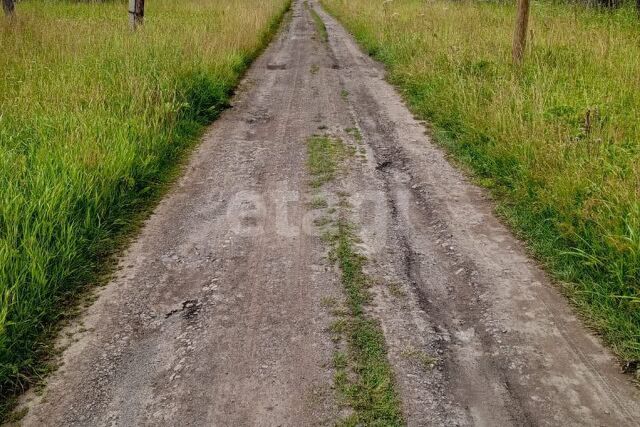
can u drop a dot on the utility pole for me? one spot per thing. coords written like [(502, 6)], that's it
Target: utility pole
[(520, 33), (136, 13), (9, 8)]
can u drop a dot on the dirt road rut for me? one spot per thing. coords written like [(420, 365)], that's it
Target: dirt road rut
[(216, 317)]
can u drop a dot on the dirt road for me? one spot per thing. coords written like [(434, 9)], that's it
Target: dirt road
[(216, 315)]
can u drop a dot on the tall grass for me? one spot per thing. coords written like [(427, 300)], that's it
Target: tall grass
[(558, 141), (91, 117)]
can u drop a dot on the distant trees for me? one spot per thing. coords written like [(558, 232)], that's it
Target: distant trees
[(522, 22), (610, 4)]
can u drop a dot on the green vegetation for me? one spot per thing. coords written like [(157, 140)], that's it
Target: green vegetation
[(318, 202), (324, 153), (363, 375), (370, 390), (355, 133), (427, 362), (92, 117), (557, 141), (320, 27)]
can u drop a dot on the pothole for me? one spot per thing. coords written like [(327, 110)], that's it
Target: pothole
[(189, 309)]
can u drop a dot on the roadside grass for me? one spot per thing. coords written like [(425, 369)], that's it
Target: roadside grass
[(92, 119), (363, 376), (557, 141)]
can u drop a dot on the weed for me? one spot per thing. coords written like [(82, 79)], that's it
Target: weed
[(328, 302), (396, 289), (338, 326), (322, 221), (324, 153), (318, 202), (340, 360), (427, 362), (355, 133)]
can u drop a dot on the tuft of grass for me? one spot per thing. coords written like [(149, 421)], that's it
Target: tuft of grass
[(425, 360), (396, 290), (324, 153), (557, 141), (322, 221), (318, 202), (328, 302), (355, 133), (92, 119)]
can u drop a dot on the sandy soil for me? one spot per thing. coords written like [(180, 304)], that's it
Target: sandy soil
[(216, 317)]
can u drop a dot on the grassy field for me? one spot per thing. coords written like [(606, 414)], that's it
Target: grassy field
[(92, 116), (558, 141)]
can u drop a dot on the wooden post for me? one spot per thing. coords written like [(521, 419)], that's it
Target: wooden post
[(9, 8), (136, 13), (520, 33)]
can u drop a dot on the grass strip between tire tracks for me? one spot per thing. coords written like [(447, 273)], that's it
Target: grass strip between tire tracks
[(363, 375)]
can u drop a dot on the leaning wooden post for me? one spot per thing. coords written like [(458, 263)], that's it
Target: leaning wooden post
[(520, 33), (9, 8), (136, 13)]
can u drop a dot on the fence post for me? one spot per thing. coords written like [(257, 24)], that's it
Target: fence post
[(9, 8), (136, 13), (520, 33)]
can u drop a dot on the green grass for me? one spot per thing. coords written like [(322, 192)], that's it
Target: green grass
[(426, 361), (318, 202), (570, 185), (324, 154), (92, 118), (321, 29), (363, 376), (355, 133)]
